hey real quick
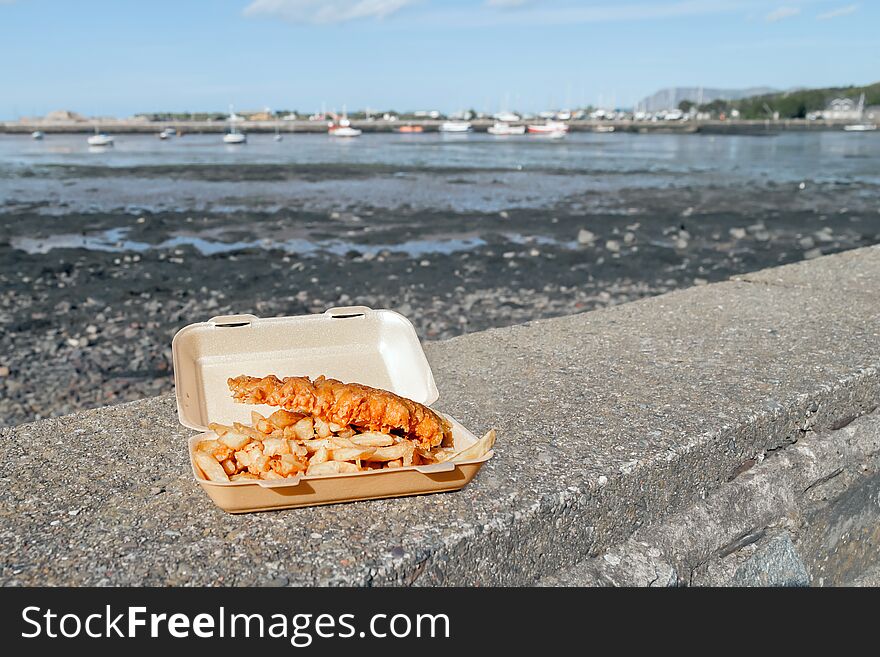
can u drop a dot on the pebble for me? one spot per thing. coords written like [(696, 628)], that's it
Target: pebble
[(824, 235), (806, 242), (586, 237), (613, 246), (738, 233)]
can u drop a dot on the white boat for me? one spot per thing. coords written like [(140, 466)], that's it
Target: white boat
[(502, 129), (100, 139), (278, 136), (165, 134), (343, 129), (549, 128), (233, 136), (37, 134), (455, 126), (604, 128), (506, 117)]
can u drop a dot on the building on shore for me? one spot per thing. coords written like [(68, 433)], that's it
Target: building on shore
[(842, 109)]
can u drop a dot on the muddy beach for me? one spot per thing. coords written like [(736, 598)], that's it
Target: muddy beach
[(101, 263)]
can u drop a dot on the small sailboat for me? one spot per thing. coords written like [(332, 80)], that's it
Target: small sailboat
[(233, 136), (455, 127), (100, 139), (37, 134), (502, 129), (278, 136)]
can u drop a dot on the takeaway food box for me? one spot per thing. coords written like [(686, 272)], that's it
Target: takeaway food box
[(377, 348)]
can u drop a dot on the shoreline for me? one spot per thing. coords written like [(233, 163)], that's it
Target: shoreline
[(124, 126)]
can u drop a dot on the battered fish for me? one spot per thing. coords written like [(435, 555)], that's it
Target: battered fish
[(346, 404)]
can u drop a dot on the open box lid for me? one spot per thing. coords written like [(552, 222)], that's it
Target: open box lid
[(378, 348)]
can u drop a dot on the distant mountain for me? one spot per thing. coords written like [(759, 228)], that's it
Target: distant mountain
[(671, 97)]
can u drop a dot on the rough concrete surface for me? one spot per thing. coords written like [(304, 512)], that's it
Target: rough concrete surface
[(608, 422), (808, 514)]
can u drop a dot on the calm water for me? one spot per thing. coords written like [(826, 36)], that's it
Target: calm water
[(820, 156)]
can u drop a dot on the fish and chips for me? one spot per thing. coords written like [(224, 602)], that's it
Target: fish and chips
[(326, 427)]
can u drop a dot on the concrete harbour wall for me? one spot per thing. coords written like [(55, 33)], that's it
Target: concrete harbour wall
[(720, 434)]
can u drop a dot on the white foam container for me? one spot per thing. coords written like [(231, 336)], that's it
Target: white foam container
[(378, 348)]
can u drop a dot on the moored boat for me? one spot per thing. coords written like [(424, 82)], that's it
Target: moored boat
[(455, 126), (343, 128), (501, 129), (100, 139), (233, 136), (548, 128)]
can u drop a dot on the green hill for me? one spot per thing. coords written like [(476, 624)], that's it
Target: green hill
[(793, 104)]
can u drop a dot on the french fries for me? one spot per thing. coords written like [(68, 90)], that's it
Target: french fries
[(287, 444)]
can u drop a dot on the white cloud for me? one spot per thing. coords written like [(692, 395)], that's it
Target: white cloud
[(534, 13), (781, 14), (325, 11), (834, 13)]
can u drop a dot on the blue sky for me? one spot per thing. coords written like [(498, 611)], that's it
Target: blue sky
[(117, 58)]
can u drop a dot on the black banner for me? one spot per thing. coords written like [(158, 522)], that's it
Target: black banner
[(395, 621)]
